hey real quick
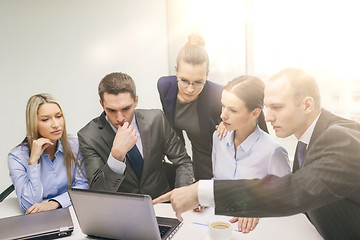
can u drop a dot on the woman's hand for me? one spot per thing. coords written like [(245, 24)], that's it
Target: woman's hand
[(41, 207), (38, 147), (245, 225), (220, 130)]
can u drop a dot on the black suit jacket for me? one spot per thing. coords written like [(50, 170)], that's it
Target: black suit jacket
[(158, 139), (209, 110), (326, 187)]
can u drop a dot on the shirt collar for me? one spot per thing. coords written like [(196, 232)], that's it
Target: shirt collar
[(306, 136), (59, 148), (249, 141)]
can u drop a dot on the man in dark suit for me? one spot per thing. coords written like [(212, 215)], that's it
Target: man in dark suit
[(325, 183), (123, 148)]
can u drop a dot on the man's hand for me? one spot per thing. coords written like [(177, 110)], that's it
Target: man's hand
[(124, 140), (182, 199), (41, 207), (245, 225)]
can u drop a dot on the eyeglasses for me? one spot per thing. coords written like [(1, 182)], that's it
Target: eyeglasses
[(186, 83)]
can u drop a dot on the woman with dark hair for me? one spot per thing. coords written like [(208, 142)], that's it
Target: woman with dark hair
[(247, 151), (48, 161)]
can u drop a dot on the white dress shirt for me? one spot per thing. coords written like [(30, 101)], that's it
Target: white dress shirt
[(306, 136)]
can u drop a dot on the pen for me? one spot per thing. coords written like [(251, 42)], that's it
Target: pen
[(202, 224)]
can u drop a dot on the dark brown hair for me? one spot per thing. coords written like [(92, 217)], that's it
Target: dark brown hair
[(250, 89), (115, 83)]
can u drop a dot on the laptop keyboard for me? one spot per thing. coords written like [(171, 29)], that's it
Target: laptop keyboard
[(163, 229)]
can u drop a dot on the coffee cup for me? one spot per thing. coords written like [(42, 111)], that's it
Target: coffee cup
[(220, 230)]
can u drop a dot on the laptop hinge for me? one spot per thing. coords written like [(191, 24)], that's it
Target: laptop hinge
[(64, 229)]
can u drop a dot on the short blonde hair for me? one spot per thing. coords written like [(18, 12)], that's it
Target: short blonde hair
[(301, 83), (193, 52)]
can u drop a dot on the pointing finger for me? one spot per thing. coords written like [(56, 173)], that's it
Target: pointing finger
[(162, 198), (178, 216)]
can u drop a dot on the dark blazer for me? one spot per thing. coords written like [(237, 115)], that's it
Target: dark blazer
[(209, 109), (158, 139), (326, 187)]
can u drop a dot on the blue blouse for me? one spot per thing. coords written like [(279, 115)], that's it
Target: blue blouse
[(258, 156), (47, 179)]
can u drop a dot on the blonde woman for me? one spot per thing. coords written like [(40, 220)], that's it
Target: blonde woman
[(47, 161), (192, 103)]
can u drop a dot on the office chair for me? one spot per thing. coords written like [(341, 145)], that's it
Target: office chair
[(6, 192)]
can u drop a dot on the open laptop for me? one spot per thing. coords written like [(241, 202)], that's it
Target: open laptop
[(44, 225), (120, 215)]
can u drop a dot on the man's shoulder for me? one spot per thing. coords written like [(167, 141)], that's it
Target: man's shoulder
[(339, 132), (146, 113), (92, 126), (153, 118), (337, 123), (344, 126)]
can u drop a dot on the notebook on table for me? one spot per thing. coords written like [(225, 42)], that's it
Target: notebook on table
[(120, 216), (43, 225)]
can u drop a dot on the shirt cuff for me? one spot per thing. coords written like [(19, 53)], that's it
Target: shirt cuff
[(62, 199), (116, 165), (206, 193)]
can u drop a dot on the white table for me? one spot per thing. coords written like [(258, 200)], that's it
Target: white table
[(292, 227)]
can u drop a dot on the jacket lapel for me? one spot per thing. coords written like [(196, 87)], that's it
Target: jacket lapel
[(204, 112), (144, 131), (170, 101), (322, 124), (106, 132)]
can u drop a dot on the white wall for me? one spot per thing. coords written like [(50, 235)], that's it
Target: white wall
[(224, 34), (65, 48)]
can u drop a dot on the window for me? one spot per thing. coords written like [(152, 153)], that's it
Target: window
[(261, 37)]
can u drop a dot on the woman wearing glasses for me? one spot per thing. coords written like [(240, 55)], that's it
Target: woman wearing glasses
[(47, 161), (247, 151), (192, 103)]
